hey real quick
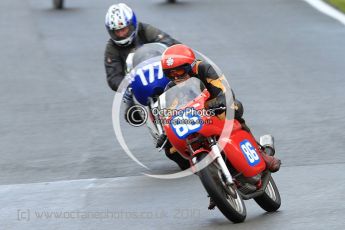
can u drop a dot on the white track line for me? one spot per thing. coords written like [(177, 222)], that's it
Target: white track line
[(89, 182), (327, 9)]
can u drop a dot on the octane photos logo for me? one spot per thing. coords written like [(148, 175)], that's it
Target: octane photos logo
[(137, 116), (180, 112), (135, 120)]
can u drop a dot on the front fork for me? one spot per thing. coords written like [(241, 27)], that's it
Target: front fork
[(225, 176), (218, 157)]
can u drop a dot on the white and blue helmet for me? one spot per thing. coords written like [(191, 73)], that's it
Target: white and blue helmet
[(118, 17)]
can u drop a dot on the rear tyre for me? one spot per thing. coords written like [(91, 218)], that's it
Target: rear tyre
[(58, 4), (269, 201), (229, 203)]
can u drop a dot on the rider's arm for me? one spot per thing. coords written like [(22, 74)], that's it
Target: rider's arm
[(153, 34), (211, 79), (113, 66), (217, 90)]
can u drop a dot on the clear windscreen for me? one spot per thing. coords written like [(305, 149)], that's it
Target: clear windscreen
[(178, 96), (147, 52)]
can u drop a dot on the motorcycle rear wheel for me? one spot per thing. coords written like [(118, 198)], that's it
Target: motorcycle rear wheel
[(232, 206), (269, 201)]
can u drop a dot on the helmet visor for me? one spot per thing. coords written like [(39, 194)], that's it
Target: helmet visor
[(178, 74), (123, 33)]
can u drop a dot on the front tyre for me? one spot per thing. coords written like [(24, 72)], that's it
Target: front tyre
[(229, 203), (269, 201)]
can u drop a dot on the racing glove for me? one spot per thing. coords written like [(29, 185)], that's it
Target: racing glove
[(218, 104), (128, 96)]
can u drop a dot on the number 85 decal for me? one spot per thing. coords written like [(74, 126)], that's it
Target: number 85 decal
[(249, 152)]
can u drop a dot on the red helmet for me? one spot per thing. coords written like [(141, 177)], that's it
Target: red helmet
[(178, 61)]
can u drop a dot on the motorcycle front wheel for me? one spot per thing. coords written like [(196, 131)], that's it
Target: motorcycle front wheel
[(229, 203)]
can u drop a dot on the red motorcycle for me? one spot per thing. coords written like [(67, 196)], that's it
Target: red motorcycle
[(228, 161)]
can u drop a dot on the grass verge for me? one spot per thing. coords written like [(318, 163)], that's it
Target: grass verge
[(339, 4)]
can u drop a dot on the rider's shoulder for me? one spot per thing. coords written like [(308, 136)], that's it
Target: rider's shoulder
[(111, 48), (148, 29), (144, 26), (203, 67)]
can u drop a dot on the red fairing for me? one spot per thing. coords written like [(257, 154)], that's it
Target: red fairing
[(179, 144), (236, 156), (235, 146)]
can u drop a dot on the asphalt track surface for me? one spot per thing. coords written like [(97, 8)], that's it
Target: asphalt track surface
[(284, 59)]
